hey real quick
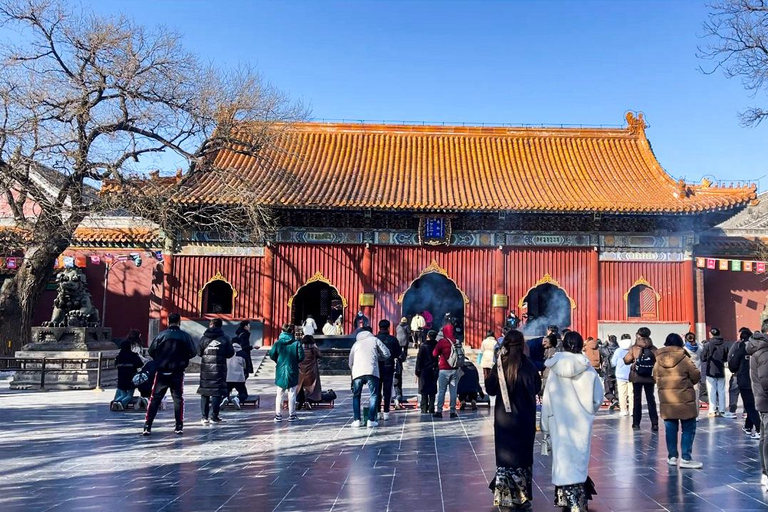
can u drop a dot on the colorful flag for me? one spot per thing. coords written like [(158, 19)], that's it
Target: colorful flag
[(81, 261), (736, 265), (95, 259), (747, 266), (11, 263), (761, 267), (69, 262), (711, 264), (701, 262), (723, 264)]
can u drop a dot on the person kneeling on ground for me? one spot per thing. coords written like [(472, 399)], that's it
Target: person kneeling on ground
[(676, 375), (287, 352), (310, 388), (469, 386), (215, 349), (127, 363), (236, 372)]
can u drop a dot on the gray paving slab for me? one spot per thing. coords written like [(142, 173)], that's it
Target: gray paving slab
[(66, 451)]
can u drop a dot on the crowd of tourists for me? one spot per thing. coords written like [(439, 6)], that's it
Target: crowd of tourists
[(560, 376)]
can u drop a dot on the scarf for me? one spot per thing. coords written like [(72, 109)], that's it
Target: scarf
[(692, 348)]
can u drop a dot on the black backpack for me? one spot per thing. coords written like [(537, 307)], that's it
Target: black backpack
[(644, 363)]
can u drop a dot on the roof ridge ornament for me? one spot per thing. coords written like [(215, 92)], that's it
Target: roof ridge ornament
[(636, 122)]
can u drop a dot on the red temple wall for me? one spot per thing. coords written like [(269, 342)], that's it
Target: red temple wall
[(191, 273), (668, 279), (733, 300), (572, 270), (294, 264), (472, 269)]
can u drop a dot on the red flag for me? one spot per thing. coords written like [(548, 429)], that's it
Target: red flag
[(81, 261), (761, 267), (711, 264)]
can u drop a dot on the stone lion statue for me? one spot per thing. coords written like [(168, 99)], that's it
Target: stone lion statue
[(73, 306)]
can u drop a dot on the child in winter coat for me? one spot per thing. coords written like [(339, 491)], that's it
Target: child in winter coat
[(236, 366), (623, 386)]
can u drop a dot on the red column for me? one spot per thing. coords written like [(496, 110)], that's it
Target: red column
[(688, 292), (593, 315), (165, 301), (367, 278), (499, 314), (268, 293)]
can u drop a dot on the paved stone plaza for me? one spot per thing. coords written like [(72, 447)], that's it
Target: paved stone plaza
[(66, 451)]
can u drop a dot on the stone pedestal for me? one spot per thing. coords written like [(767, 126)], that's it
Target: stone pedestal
[(69, 356)]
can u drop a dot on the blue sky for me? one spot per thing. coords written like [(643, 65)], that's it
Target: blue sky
[(571, 62)]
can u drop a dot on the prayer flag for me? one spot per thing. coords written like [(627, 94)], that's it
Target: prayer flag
[(761, 267), (711, 264), (701, 262), (736, 265), (109, 259), (69, 262), (95, 259), (723, 264), (11, 263), (747, 266), (81, 261)]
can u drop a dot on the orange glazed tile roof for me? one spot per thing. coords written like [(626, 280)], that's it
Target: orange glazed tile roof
[(116, 235), (457, 168)]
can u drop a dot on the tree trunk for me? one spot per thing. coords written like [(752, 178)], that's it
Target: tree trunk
[(20, 294)]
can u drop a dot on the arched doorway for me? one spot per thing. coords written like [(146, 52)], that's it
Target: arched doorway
[(318, 298), (436, 293), (546, 304)]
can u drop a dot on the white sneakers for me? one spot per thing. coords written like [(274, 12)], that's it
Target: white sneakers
[(357, 424), (690, 464), (672, 461), (730, 415), (384, 416), (372, 424), (764, 481)]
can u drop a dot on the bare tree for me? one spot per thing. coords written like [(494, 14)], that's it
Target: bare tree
[(88, 98), (737, 35)]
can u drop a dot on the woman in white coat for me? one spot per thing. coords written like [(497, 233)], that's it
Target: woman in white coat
[(572, 397)]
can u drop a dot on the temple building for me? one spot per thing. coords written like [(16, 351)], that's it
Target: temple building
[(578, 227)]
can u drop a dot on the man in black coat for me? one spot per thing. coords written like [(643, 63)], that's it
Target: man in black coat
[(757, 348), (738, 363), (387, 367), (215, 349), (171, 350)]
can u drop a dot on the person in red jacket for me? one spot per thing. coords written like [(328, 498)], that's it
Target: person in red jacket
[(449, 376)]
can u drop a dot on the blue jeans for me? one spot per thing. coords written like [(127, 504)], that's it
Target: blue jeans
[(447, 378), (686, 442), (357, 391), (124, 396)]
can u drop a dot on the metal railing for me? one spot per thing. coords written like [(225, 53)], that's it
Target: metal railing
[(44, 363), (9, 363)]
